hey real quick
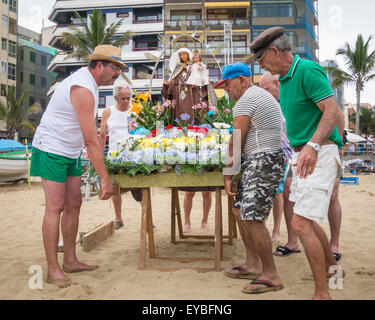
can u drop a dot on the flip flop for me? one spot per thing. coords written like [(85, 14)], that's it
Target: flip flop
[(285, 251), (90, 268), (269, 286), (337, 256), (61, 283), (241, 274)]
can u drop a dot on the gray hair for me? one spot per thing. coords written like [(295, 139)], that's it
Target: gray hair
[(117, 87), (282, 43)]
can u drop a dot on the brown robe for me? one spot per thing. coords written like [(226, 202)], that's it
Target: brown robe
[(174, 90)]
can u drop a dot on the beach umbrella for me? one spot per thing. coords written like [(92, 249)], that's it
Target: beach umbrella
[(351, 137)]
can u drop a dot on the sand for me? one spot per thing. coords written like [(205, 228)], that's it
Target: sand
[(21, 250)]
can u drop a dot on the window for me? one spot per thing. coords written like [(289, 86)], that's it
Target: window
[(101, 103), (21, 77), (273, 10), (4, 21), (146, 45), (31, 101), (122, 15), (186, 15), (4, 67), (138, 73), (32, 79), (5, 1), (225, 14), (13, 5), (43, 60), (32, 56), (21, 54), (149, 18), (12, 48), (43, 82), (11, 71), (43, 104), (4, 43)]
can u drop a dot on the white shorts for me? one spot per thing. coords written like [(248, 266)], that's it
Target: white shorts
[(313, 194)]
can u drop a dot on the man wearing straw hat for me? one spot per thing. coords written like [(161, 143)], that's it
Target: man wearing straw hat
[(68, 125), (312, 121)]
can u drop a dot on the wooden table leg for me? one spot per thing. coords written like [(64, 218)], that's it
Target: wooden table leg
[(142, 247), (218, 229), (173, 216), (230, 220), (178, 213), (150, 226)]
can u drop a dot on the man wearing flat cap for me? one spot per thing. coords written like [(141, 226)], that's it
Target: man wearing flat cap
[(67, 125), (258, 119), (314, 125)]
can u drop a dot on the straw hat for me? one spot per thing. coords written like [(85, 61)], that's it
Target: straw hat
[(175, 58), (107, 53)]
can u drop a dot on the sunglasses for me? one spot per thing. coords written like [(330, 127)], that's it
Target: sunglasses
[(259, 59), (113, 67)]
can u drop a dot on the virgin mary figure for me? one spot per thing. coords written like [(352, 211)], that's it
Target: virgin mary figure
[(176, 88)]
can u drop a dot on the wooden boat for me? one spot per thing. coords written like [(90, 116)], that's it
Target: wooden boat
[(13, 166)]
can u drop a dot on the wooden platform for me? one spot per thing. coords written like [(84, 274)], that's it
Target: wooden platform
[(172, 180)]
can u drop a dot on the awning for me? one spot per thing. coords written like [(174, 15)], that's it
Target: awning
[(227, 4)]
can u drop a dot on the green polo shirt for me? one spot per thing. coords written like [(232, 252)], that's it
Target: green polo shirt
[(304, 85)]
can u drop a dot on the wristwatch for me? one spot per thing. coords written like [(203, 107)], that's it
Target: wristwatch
[(314, 145)]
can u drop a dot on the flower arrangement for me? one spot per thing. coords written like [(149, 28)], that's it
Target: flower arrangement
[(191, 149)]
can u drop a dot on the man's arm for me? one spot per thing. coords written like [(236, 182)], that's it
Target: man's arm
[(332, 115), (241, 125), (84, 104)]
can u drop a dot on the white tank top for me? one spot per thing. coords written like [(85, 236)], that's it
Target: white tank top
[(59, 131), (117, 125)]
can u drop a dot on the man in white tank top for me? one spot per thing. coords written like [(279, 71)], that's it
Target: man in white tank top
[(115, 121), (65, 128)]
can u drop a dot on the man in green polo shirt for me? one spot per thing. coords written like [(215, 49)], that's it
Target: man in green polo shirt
[(312, 121)]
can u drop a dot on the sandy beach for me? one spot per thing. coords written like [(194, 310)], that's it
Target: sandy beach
[(22, 210)]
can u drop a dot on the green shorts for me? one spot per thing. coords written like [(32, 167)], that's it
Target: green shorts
[(54, 167)]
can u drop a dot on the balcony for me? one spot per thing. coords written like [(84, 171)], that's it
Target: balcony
[(235, 23), (192, 24)]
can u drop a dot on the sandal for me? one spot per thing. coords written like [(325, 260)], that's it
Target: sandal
[(284, 251), (268, 287), (241, 273)]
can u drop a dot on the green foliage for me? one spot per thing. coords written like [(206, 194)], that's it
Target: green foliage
[(13, 114), (149, 115), (131, 168), (360, 62), (367, 121), (224, 112)]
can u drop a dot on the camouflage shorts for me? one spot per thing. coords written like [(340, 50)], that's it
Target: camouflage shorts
[(262, 174)]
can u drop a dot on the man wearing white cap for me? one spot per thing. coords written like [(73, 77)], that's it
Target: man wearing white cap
[(68, 125)]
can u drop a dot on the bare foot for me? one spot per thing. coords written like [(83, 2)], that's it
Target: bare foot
[(187, 228), (77, 266), (61, 283), (321, 297), (205, 226)]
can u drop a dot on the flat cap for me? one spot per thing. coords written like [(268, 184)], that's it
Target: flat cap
[(263, 40)]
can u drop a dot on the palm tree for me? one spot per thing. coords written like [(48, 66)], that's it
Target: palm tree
[(14, 116), (360, 64), (84, 40), (367, 121)]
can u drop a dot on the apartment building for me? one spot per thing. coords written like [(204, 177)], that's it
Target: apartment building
[(246, 20), (32, 73), (8, 52), (298, 17), (225, 23), (144, 18)]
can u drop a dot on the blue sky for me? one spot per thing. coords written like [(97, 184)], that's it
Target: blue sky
[(339, 21)]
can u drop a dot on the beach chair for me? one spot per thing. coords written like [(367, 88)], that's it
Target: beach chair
[(349, 180)]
